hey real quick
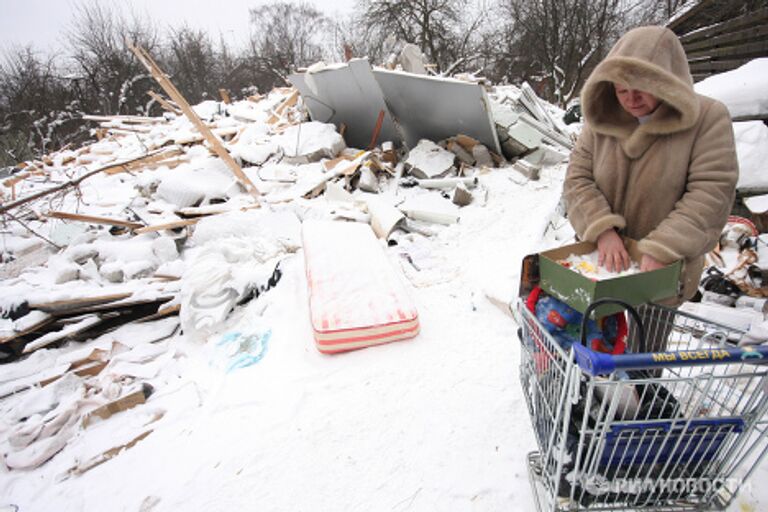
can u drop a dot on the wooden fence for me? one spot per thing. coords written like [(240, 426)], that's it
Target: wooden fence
[(723, 45)]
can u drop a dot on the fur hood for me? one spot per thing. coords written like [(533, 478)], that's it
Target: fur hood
[(649, 59)]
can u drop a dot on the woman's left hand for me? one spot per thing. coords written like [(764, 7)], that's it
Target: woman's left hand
[(648, 262)]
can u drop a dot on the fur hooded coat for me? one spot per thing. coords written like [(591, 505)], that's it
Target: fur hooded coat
[(669, 182)]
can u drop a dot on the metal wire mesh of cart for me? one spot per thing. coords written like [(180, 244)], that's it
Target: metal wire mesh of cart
[(675, 430)]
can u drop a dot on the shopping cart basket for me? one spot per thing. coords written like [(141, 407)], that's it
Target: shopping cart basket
[(677, 430)]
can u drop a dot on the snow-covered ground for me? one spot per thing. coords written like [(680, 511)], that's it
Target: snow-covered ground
[(438, 422)]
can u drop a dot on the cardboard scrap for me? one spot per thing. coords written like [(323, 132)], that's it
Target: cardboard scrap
[(123, 403)]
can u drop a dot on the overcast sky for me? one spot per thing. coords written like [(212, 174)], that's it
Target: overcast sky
[(43, 22)]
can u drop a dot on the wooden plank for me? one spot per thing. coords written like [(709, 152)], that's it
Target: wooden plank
[(63, 306), (756, 17), (165, 104), (716, 66), (290, 101), (212, 209), (65, 333), (162, 313), (690, 13), (168, 225), (119, 306), (730, 39), (45, 322), (145, 162), (176, 96), (376, 130), (125, 119), (92, 219), (752, 50)]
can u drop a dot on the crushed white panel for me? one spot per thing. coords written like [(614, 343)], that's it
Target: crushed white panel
[(428, 160), (349, 95), (311, 141)]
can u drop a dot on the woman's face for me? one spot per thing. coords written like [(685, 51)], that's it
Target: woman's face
[(636, 103)]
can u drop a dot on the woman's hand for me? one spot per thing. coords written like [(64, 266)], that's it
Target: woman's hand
[(611, 251), (648, 262)]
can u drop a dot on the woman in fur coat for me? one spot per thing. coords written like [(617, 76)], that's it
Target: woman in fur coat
[(655, 161)]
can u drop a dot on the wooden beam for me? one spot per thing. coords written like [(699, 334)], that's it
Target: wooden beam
[(155, 159), (124, 119), (66, 305), (161, 313), (284, 105), (91, 219), (4, 207), (168, 225), (164, 103), (716, 66), (752, 50), (756, 17), (746, 35), (685, 16), (176, 96), (44, 322)]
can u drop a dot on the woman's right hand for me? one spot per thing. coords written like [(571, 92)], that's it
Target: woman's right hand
[(611, 251)]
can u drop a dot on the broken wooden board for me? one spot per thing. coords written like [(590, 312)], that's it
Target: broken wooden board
[(92, 219), (33, 322), (65, 333), (64, 306), (176, 96), (165, 104), (288, 102), (125, 119), (356, 298), (151, 161), (162, 313), (192, 212), (168, 225)]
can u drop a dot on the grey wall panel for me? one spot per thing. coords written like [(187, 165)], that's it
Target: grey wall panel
[(437, 108), (347, 94)]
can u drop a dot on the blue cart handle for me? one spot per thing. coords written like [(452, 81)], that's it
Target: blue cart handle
[(598, 363)]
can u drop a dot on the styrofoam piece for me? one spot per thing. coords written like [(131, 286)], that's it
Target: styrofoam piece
[(356, 299), (757, 204), (384, 217), (448, 183)]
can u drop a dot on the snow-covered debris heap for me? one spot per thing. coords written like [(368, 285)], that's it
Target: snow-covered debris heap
[(166, 227)]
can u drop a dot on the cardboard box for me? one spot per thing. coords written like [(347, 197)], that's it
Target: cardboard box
[(579, 291)]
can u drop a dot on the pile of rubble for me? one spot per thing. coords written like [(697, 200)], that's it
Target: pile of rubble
[(168, 224)]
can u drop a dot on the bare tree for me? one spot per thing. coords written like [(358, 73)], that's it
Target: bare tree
[(36, 107), (556, 43), (286, 36), (112, 76), (193, 63), (444, 30)]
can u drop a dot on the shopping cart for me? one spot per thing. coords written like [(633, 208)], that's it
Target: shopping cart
[(677, 430)]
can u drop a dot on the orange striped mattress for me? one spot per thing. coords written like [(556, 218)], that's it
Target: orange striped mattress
[(356, 298)]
